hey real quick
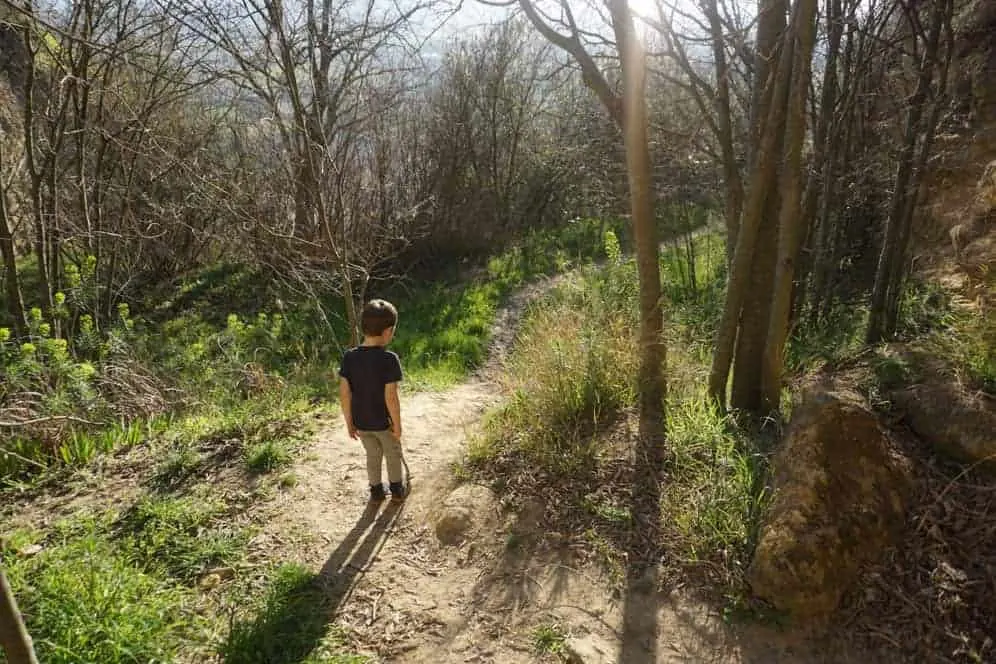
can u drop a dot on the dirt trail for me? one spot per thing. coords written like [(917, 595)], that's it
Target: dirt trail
[(407, 598)]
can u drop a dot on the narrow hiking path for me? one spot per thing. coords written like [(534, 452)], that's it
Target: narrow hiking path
[(405, 597)]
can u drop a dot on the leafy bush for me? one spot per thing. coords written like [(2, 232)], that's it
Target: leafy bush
[(53, 389)]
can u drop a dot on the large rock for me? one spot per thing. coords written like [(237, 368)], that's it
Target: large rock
[(974, 67), (589, 649), (466, 506), (840, 498), (958, 423)]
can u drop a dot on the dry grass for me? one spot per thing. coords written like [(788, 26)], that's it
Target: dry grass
[(931, 599), (567, 439)]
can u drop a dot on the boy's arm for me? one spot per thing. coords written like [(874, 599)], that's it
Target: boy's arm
[(393, 401), (346, 402)]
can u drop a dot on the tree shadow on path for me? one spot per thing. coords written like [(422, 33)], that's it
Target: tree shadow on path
[(296, 617), (642, 546)]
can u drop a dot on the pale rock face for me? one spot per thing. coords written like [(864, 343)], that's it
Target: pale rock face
[(462, 509), (974, 66), (956, 422)]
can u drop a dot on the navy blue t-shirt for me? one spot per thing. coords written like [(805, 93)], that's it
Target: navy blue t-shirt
[(368, 369)]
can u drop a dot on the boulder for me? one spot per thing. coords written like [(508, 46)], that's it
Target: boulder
[(840, 496), (956, 422), (464, 508), (589, 649)]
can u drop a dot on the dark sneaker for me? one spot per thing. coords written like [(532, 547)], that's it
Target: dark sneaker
[(397, 491), (377, 492)]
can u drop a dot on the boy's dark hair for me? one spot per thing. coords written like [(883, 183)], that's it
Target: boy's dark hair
[(377, 316)]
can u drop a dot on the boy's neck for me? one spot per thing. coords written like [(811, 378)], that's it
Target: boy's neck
[(373, 341)]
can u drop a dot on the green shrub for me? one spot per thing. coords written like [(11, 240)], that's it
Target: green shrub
[(267, 456)]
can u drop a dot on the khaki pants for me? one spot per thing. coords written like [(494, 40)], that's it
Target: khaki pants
[(381, 445)]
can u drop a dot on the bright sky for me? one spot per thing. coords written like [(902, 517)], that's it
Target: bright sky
[(473, 14)]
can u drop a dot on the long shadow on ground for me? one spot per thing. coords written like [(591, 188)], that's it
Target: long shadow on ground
[(296, 618), (642, 547)]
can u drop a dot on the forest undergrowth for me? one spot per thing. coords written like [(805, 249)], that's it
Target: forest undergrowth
[(148, 557), (565, 434), (129, 576)]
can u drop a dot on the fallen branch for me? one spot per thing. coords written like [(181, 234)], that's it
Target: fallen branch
[(43, 420), (32, 462)]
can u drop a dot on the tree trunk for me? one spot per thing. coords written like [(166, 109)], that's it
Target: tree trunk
[(766, 116), (731, 172), (352, 319), (15, 303), (37, 178), (790, 220), (653, 383), (13, 635), (745, 394), (943, 16), (745, 391), (888, 289), (819, 187)]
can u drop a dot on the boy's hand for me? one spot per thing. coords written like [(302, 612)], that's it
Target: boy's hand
[(396, 431), (352, 432)]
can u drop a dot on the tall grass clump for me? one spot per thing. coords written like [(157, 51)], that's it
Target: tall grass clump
[(289, 624), (179, 537), (572, 375), (573, 370), (715, 493)]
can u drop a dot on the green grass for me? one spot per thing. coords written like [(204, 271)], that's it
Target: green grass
[(121, 587), (549, 639), (181, 537), (196, 338), (572, 376), (179, 464), (573, 370), (211, 329), (86, 601), (120, 590), (715, 495), (289, 625), (267, 457), (970, 346)]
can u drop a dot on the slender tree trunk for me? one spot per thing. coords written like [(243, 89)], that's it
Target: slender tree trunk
[(905, 188), (12, 283), (768, 114), (745, 390), (653, 384), (13, 635), (790, 220), (745, 393), (731, 172), (822, 171), (900, 267), (41, 239), (352, 318)]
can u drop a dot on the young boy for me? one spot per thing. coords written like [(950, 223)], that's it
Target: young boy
[(368, 393)]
